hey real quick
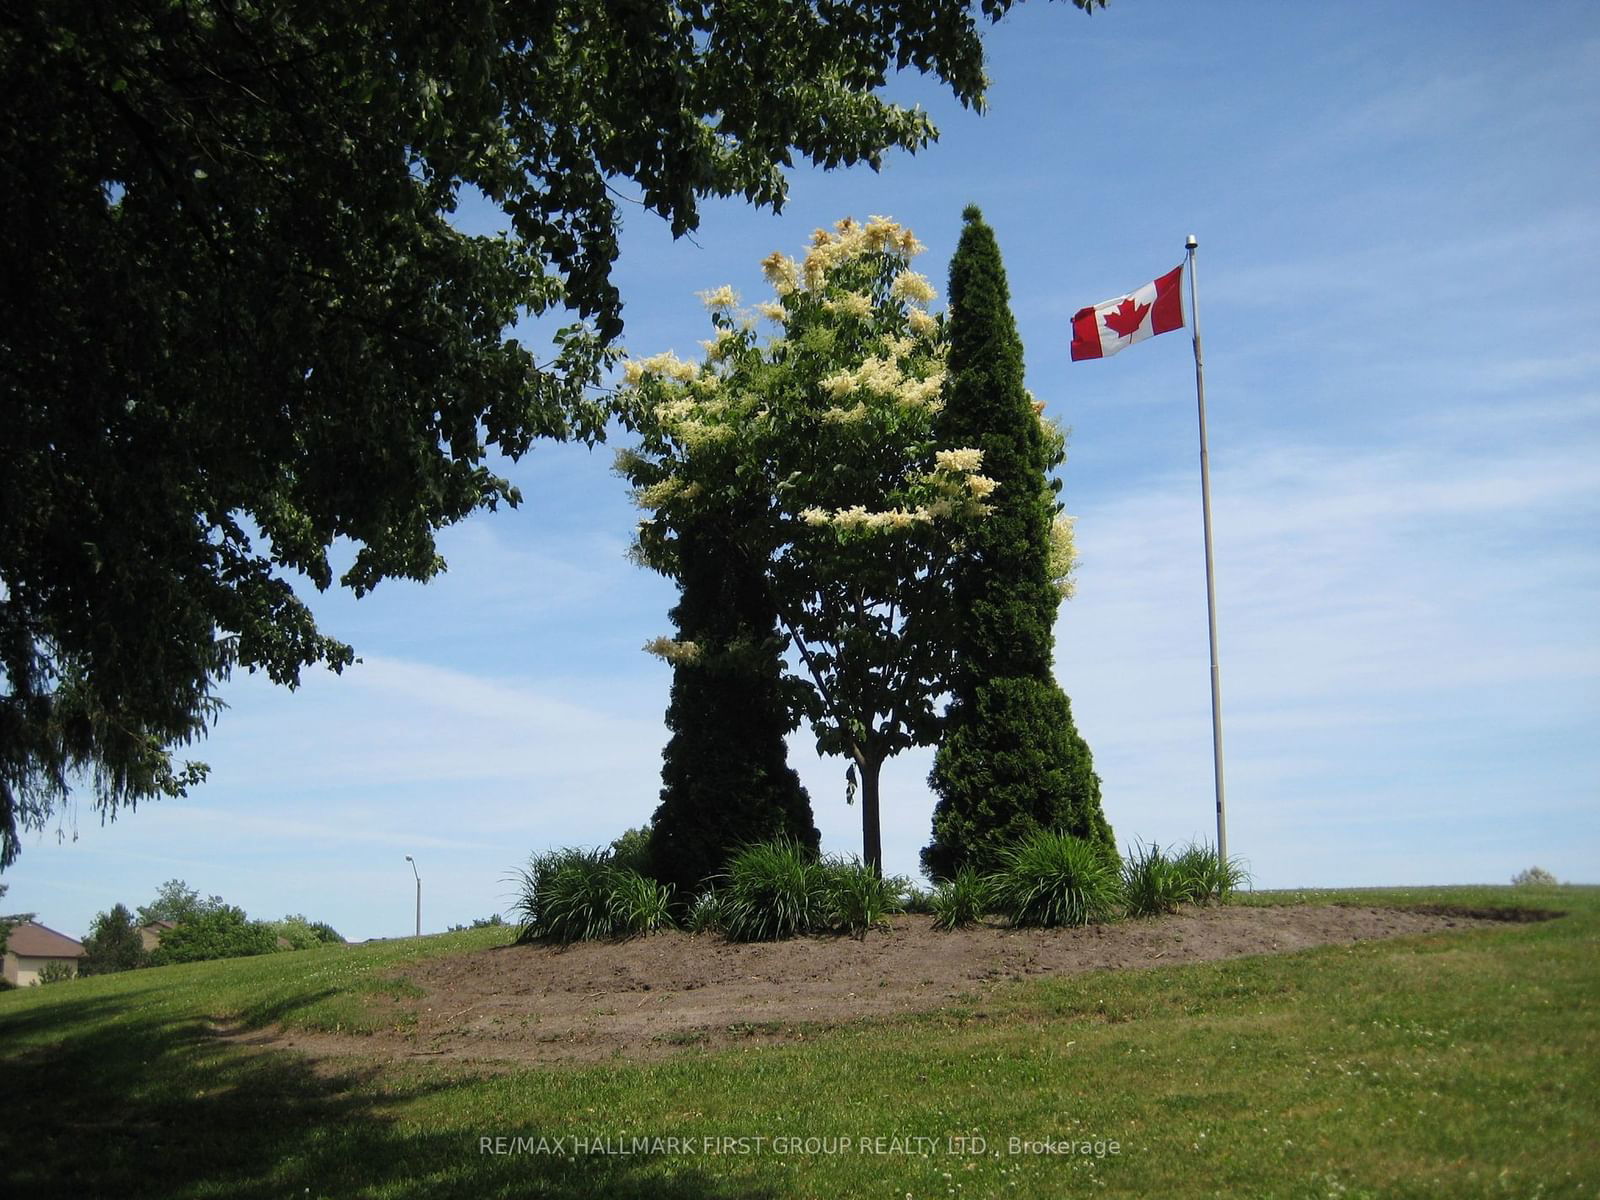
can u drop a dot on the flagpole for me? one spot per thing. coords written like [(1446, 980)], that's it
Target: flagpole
[(1190, 243)]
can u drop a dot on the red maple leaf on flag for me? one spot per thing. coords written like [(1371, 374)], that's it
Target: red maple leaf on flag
[(1125, 319)]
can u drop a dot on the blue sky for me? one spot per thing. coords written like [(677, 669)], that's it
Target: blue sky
[(1398, 210)]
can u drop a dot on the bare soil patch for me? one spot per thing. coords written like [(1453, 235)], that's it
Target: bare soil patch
[(656, 996)]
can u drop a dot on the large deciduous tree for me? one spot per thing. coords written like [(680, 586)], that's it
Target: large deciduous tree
[(815, 458), (237, 323), (177, 902), (1011, 761)]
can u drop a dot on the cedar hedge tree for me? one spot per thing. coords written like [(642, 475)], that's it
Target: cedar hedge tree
[(1010, 762), (725, 774)]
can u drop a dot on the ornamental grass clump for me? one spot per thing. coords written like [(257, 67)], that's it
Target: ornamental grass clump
[(573, 895), (1051, 879), (705, 913), (859, 898), (1153, 884), (962, 900), (774, 890), (639, 904), (1207, 877)]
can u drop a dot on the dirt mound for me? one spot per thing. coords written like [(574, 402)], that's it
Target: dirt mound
[(656, 996)]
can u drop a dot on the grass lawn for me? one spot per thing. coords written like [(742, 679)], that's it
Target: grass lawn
[(1462, 1064)]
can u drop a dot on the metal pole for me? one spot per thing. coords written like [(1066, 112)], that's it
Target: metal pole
[(1190, 243), (413, 863)]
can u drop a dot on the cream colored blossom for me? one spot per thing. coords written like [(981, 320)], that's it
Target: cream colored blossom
[(699, 435), (920, 392), (675, 652), (723, 297), (840, 384), (716, 348), (1063, 556), (670, 365), (819, 261), (879, 375), (679, 408), (909, 246), (852, 304), (891, 519), (980, 486), (632, 373), (881, 234), (965, 459), (657, 494), (814, 516), (851, 518), (781, 272), (853, 415), (772, 311), (908, 285), (921, 321)]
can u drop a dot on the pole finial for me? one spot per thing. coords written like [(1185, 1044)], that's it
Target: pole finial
[(1190, 242)]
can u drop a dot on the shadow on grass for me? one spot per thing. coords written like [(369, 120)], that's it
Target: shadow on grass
[(109, 1096)]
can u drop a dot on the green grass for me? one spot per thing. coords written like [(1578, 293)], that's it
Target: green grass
[(1459, 1064)]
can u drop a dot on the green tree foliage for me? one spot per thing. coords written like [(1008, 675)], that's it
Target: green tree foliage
[(1011, 762), (177, 902), (815, 460), (9, 920), (303, 934), (55, 971), (238, 324), (222, 932), (113, 944), (725, 774)]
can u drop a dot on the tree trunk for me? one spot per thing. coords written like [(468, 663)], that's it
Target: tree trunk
[(871, 834)]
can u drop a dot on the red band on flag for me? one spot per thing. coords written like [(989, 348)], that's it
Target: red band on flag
[(1167, 312), (1085, 334)]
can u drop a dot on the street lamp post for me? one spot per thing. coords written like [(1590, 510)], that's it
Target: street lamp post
[(413, 863)]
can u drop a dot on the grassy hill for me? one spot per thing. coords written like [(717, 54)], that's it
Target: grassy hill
[(1461, 1064)]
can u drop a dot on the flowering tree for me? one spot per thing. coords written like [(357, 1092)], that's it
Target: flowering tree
[(815, 456)]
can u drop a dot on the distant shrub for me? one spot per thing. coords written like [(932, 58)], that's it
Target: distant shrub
[(55, 972), (574, 895), (631, 850), (490, 922), (961, 900), (1153, 884), (302, 934), (774, 890), (217, 933), (918, 901), (1053, 878), (113, 944), (1208, 878), (1534, 877)]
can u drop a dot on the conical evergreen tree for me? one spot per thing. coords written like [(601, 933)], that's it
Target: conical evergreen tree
[(1011, 761), (725, 773)]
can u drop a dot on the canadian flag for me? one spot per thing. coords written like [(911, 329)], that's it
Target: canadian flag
[(1157, 307)]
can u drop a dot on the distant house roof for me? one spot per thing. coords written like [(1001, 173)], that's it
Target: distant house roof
[(32, 940), (160, 926)]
